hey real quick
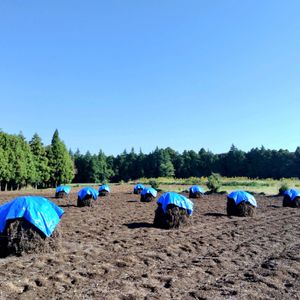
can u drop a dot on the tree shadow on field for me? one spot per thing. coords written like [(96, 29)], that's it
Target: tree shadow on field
[(137, 225), (215, 214), (132, 201)]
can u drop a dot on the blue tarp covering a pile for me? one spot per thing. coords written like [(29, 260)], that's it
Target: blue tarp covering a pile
[(63, 188), (151, 191), (196, 189), (39, 211), (139, 186), (104, 187), (88, 191), (292, 193), (240, 196), (176, 199)]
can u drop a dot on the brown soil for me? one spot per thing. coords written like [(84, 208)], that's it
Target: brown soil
[(113, 252)]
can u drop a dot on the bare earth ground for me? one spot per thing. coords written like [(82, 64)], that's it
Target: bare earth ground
[(112, 252)]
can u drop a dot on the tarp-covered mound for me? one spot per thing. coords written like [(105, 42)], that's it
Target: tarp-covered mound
[(29, 225), (291, 198), (241, 203), (173, 211), (148, 194), (196, 191), (86, 196), (138, 188), (104, 190), (62, 191)]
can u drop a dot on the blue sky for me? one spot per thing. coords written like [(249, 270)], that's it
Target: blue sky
[(189, 74)]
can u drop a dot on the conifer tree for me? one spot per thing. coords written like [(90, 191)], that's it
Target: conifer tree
[(60, 162), (40, 160), (5, 168), (103, 170), (25, 171)]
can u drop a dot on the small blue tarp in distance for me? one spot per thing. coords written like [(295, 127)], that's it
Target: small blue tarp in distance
[(104, 187), (176, 199), (88, 191), (292, 193), (196, 189), (150, 190), (240, 196), (139, 186), (63, 188), (39, 211)]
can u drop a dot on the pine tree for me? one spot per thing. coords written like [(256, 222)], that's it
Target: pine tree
[(166, 168), (42, 174), (25, 168), (103, 171), (5, 167), (60, 162)]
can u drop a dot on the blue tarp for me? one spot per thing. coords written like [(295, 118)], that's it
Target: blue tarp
[(104, 187), (139, 186), (292, 193), (63, 188), (196, 189), (176, 199), (39, 211), (88, 191), (151, 191), (240, 196)]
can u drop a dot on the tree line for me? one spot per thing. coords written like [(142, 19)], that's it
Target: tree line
[(32, 163), (256, 163), (25, 163)]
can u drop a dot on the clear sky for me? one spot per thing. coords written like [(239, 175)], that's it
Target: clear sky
[(121, 74)]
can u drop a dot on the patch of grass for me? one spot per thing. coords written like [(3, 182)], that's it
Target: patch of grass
[(268, 186)]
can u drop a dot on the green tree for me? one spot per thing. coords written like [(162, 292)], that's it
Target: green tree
[(214, 182), (166, 168), (5, 166), (103, 171), (190, 164), (60, 162), (25, 171), (40, 160), (235, 162)]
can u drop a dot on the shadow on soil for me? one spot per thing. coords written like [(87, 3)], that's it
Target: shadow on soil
[(67, 205), (215, 214), (274, 206), (139, 225)]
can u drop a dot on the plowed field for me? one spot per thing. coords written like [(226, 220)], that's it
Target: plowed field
[(112, 251)]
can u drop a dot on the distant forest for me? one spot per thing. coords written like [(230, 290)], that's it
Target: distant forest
[(25, 163)]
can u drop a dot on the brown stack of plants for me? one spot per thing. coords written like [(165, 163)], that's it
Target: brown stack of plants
[(174, 217), (195, 195), (21, 237), (103, 193), (86, 201), (287, 202), (147, 197), (243, 209), (61, 195), (137, 191)]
